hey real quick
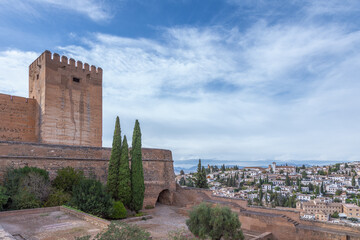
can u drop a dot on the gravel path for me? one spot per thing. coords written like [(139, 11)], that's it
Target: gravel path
[(165, 219)]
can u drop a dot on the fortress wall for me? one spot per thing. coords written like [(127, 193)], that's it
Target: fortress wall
[(282, 229), (157, 163), (332, 226), (282, 223), (18, 121), (69, 94)]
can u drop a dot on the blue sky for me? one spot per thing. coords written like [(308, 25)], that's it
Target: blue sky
[(225, 80)]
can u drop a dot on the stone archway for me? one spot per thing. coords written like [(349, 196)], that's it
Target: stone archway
[(165, 197)]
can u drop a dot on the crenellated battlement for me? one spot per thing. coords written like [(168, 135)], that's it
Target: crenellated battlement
[(63, 61), (69, 95)]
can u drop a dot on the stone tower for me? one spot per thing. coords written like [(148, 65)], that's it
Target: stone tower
[(69, 98)]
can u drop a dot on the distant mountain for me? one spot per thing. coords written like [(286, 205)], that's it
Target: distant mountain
[(190, 165)]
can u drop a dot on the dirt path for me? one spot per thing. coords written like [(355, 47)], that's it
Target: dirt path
[(165, 219)]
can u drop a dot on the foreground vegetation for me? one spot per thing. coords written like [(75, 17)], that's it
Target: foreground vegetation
[(214, 222)]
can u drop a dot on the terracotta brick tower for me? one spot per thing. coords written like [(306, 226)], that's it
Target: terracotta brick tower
[(69, 98)]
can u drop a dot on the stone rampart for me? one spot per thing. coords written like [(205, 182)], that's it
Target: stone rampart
[(18, 120), (69, 95), (157, 163), (282, 223)]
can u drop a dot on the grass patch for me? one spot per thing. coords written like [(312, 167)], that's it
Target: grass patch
[(44, 214), (139, 214)]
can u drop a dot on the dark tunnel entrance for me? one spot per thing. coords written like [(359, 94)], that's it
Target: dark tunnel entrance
[(164, 197)]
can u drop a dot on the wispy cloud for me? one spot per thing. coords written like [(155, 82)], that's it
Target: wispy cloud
[(284, 90), (95, 10), (294, 90)]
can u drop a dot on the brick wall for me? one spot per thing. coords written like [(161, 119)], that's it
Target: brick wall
[(282, 223), (157, 163), (69, 94), (18, 120)]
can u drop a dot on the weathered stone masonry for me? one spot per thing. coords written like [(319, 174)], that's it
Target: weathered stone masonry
[(158, 164)]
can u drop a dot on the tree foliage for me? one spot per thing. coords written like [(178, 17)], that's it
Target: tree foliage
[(114, 163), (214, 222), (120, 230), (90, 196), (118, 210), (3, 197), (67, 178), (124, 178), (13, 177), (201, 181), (57, 198), (35, 184), (137, 173)]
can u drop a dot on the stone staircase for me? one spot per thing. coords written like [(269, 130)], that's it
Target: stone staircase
[(290, 220)]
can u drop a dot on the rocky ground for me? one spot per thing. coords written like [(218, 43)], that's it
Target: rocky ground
[(47, 226)]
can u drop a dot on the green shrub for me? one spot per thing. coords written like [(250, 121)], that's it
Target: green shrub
[(139, 214), (180, 234), (57, 198), (24, 200), (122, 231), (35, 184), (90, 196), (67, 178), (214, 223), (3, 197), (14, 176), (118, 210)]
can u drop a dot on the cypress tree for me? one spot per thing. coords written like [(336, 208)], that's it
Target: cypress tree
[(124, 177), (137, 174), (204, 183), (198, 175), (353, 183), (201, 181), (287, 180), (113, 171)]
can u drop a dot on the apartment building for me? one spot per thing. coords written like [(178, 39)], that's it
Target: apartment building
[(351, 210), (313, 207)]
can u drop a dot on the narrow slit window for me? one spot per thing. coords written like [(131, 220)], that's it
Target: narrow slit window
[(76, 79)]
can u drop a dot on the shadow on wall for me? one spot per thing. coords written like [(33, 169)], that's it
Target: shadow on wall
[(165, 197)]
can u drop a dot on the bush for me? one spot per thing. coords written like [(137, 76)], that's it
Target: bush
[(57, 198), (24, 200), (67, 178), (35, 184), (122, 231), (335, 215), (214, 222), (3, 197), (90, 196), (180, 234), (118, 210), (14, 176)]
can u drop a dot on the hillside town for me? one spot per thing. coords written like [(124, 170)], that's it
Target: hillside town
[(322, 193)]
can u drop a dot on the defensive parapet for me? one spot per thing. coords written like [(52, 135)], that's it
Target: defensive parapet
[(63, 61), (69, 96), (157, 163)]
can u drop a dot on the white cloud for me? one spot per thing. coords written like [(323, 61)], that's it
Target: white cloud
[(14, 67), (283, 91), (295, 97), (95, 10)]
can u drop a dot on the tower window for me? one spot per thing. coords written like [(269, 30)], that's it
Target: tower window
[(76, 79)]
